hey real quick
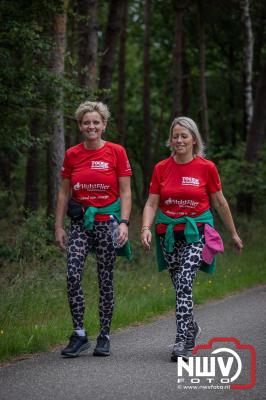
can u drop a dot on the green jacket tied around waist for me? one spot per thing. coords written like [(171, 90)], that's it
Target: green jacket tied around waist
[(112, 209), (191, 233)]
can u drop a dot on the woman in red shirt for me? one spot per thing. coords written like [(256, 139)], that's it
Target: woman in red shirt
[(95, 176), (183, 188)]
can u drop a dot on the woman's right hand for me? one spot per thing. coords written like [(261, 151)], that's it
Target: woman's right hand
[(61, 237), (146, 237), (148, 217)]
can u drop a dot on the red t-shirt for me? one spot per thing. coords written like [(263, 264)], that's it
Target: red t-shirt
[(93, 174), (184, 188)]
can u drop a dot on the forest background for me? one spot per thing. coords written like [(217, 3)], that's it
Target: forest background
[(150, 60)]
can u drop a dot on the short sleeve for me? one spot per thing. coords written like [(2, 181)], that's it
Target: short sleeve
[(214, 182), (66, 168), (123, 164), (155, 184)]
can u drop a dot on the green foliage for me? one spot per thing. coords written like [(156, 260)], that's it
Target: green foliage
[(8, 252), (239, 176), (4, 201), (28, 87), (23, 64), (33, 241)]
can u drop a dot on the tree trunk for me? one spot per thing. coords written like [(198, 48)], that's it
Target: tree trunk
[(31, 198), (230, 136), (31, 201), (177, 62), (147, 147), (88, 44), (108, 53), (185, 80), (57, 137), (256, 132), (203, 94), (259, 39), (72, 133), (137, 192), (157, 145), (248, 63), (255, 138), (6, 160), (122, 78)]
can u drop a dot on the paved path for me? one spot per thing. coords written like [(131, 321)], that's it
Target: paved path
[(139, 368)]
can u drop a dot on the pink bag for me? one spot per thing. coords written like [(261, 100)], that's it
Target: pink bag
[(213, 244)]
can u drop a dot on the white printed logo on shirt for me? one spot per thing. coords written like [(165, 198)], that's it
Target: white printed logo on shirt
[(105, 197), (99, 165), (182, 203), (189, 181), (91, 186)]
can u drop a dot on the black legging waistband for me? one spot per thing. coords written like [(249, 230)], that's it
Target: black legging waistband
[(180, 235)]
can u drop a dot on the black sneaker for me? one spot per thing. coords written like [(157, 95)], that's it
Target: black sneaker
[(192, 336), (179, 350), (76, 345), (102, 348)]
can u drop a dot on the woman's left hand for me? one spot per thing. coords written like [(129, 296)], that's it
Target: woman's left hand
[(238, 244), (123, 234)]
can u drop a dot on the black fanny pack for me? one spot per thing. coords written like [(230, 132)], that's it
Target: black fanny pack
[(75, 210)]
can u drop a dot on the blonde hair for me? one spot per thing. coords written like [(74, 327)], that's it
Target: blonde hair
[(91, 106), (188, 123)]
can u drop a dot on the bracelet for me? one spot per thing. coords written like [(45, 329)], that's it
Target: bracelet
[(145, 228), (124, 221)]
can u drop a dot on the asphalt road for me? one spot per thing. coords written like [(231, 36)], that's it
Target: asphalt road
[(140, 367)]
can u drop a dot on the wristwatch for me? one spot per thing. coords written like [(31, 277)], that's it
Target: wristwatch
[(124, 221)]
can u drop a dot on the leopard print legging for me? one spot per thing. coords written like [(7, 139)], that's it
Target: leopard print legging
[(80, 243), (183, 265)]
